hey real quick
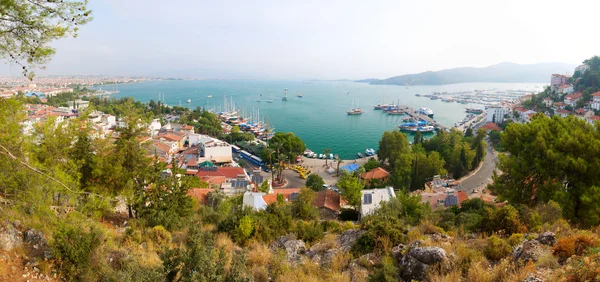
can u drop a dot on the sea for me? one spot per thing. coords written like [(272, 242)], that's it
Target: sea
[(320, 117)]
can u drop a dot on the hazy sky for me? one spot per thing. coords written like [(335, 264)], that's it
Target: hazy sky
[(324, 39)]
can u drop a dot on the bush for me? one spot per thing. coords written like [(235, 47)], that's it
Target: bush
[(74, 248), (574, 245), (315, 182), (515, 239), (333, 226), (385, 271), (309, 231), (496, 248), (364, 245), (160, 236), (581, 269)]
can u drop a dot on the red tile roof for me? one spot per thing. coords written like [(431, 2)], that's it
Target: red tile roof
[(376, 173), (328, 199), (574, 96), (163, 147), (594, 118), (228, 172), (286, 192), (580, 111), (597, 94), (462, 196), (170, 137), (562, 111), (491, 126), (560, 104)]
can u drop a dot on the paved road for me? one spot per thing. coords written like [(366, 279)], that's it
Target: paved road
[(483, 176)]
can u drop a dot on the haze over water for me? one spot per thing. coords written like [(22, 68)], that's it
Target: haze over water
[(319, 118)]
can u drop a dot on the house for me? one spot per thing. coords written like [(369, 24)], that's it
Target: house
[(580, 111), (595, 103), (254, 200), (214, 150), (548, 102), (565, 89), (376, 175), (372, 199), (559, 105), (172, 137), (287, 194), (200, 194), (163, 149), (593, 119), (491, 126), (497, 114), (557, 80), (562, 112), (571, 99), (524, 115), (328, 202), (154, 127), (259, 200), (78, 104), (232, 180)]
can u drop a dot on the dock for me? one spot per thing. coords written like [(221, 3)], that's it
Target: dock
[(415, 115)]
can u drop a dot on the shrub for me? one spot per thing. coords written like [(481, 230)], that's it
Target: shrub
[(547, 260), (550, 212), (496, 248), (74, 247), (160, 236), (309, 231), (333, 226), (465, 257), (574, 245), (480, 272), (581, 269), (386, 270), (515, 239), (315, 182), (364, 245), (258, 255), (349, 215)]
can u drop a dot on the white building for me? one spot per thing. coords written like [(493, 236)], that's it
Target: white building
[(571, 99), (211, 149), (78, 104), (596, 101), (372, 199), (496, 114), (254, 200), (566, 89), (548, 102), (154, 127)]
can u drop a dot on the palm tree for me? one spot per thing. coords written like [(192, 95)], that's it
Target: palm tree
[(280, 168), (268, 152), (339, 162), (327, 151)]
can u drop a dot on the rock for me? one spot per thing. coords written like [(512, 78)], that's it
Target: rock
[(437, 237), (397, 251), (415, 244), (547, 238), (293, 248), (528, 251), (327, 257), (10, 237), (533, 278), (348, 238), (415, 263), (36, 240)]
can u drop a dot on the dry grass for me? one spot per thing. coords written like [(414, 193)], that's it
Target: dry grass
[(328, 242), (414, 234), (222, 240), (479, 272), (259, 255), (427, 227), (466, 256), (340, 261), (547, 260), (260, 273), (454, 276)]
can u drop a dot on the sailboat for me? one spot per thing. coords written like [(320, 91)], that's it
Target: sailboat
[(284, 95), (357, 110), (189, 100), (299, 95)]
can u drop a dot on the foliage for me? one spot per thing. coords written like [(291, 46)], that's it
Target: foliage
[(386, 271), (574, 245), (302, 205), (289, 144), (505, 219), (309, 231), (315, 182), (371, 164), (74, 248), (264, 187), (424, 167), (552, 159), (350, 188), (496, 248), (392, 145), (29, 27)]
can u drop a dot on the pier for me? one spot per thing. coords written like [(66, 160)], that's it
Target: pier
[(415, 115)]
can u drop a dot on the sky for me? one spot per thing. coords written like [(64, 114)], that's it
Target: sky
[(308, 39)]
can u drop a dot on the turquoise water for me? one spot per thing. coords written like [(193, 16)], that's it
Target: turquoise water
[(319, 118)]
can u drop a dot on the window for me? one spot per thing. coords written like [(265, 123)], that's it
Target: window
[(368, 199)]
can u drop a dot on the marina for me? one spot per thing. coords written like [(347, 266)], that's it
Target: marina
[(320, 118)]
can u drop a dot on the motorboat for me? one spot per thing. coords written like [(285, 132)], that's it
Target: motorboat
[(370, 152), (426, 111), (360, 155)]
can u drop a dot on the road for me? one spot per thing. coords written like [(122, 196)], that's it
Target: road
[(483, 176)]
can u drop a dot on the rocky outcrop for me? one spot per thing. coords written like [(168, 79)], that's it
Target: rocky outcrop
[(293, 248), (529, 250), (38, 243), (547, 238), (397, 251), (415, 263), (533, 278), (10, 236), (348, 238)]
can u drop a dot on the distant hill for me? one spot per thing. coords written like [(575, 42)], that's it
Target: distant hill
[(503, 72)]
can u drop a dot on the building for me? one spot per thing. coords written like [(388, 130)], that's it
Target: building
[(559, 105), (231, 180), (373, 198), (548, 102), (593, 119), (595, 103), (375, 176), (214, 150), (491, 126), (497, 114), (571, 99), (562, 112), (329, 203), (582, 68), (78, 104), (566, 89), (557, 80)]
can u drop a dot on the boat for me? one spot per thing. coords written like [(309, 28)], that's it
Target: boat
[(209, 96), (448, 100), (395, 112), (426, 111), (269, 101), (473, 111), (355, 111), (299, 95), (189, 100), (418, 95), (370, 152), (427, 128), (360, 155), (433, 97), (284, 95)]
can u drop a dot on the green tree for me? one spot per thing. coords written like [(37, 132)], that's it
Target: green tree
[(351, 187), (418, 138), (264, 187), (315, 182), (288, 144), (339, 163), (391, 146), (302, 205), (29, 27), (469, 132), (424, 167), (371, 164)]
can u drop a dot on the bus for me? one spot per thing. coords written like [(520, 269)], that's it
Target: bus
[(252, 158)]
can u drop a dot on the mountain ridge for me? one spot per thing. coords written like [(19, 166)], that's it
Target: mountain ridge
[(502, 72)]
